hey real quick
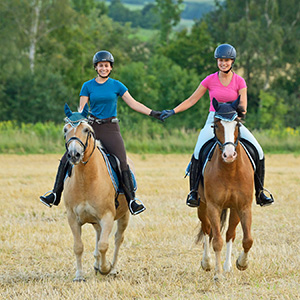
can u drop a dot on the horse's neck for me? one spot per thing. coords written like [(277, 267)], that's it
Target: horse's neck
[(95, 163)]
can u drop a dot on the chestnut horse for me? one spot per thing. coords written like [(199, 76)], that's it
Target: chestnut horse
[(228, 184), (89, 195)]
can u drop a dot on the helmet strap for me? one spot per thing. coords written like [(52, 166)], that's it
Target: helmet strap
[(103, 76), (226, 72)]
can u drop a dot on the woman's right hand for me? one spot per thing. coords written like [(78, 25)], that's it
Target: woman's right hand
[(166, 114)]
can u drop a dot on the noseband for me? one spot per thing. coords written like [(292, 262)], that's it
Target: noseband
[(76, 139), (222, 146)]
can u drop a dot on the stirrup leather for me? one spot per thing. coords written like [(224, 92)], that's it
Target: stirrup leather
[(44, 196), (140, 210)]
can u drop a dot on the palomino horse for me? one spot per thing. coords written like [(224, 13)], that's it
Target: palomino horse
[(89, 195), (228, 184)]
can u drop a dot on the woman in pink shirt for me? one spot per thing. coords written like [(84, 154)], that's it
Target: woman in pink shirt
[(225, 86)]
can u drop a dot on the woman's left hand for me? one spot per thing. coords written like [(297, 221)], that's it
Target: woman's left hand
[(166, 114)]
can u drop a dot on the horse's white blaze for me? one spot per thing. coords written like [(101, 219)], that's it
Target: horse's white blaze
[(227, 263), (229, 153)]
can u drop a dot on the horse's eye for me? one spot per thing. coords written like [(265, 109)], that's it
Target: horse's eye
[(86, 130)]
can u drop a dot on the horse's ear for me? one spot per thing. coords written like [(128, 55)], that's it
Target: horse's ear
[(68, 111), (85, 110), (215, 104), (236, 103)]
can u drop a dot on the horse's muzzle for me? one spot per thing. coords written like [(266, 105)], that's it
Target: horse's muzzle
[(74, 157), (229, 155)]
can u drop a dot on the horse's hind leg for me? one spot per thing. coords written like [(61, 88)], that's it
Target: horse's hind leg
[(230, 237), (78, 246), (246, 220), (119, 238)]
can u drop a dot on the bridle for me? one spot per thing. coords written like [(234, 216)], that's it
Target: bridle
[(222, 145), (84, 145)]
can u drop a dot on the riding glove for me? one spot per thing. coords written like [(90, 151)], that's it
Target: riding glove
[(166, 114), (155, 114)]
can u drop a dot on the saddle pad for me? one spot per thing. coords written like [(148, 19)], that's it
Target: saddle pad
[(112, 173), (208, 155)]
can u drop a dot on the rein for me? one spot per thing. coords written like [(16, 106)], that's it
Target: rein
[(74, 138)]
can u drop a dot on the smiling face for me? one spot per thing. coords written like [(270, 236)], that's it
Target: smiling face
[(103, 68), (224, 64)]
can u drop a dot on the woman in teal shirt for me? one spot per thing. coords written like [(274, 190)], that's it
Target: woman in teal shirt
[(101, 93)]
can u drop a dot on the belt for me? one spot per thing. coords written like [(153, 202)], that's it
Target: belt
[(92, 119)]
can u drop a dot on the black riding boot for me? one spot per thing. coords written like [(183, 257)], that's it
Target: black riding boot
[(128, 187), (193, 199), (259, 177), (54, 197)]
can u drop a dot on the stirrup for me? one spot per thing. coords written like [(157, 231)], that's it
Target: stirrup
[(44, 196), (193, 204), (271, 197), (140, 210)]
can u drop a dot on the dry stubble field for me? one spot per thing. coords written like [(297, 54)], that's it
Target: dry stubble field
[(158, 259)]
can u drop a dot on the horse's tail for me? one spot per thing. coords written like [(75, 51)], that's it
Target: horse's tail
[(223, 219)]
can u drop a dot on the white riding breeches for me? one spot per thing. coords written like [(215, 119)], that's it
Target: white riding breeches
[(207, 133)]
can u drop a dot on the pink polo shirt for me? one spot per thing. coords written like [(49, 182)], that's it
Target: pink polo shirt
[(223, 93)]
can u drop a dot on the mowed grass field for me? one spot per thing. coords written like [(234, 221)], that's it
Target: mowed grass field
[(158, 259)]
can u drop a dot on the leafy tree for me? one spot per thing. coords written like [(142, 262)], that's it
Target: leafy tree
[(193, 50), (272, 110), (33, 98), (169, 12), (34, 20)]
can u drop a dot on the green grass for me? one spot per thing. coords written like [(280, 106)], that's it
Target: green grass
[(145, 138)]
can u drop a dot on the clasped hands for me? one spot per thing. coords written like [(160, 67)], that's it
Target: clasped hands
[(162, 115)]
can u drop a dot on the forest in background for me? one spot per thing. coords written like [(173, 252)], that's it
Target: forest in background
[(47, 48)]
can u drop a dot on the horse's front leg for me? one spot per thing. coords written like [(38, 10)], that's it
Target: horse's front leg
[(206, 262), (214, 217), (96, 252), (230, 237), (246, 220), (106, 224), (119, 238), (78, 246)]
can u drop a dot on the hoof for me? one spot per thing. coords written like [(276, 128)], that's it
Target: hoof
[(101, 272), (80, 279), (206, 268), (241, 268)]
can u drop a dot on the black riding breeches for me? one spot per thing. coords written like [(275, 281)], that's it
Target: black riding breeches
[(110, 137)]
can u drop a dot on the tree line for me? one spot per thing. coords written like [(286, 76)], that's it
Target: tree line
[(47, 48)]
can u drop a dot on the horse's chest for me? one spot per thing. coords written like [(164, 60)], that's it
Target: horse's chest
[(85, 213)]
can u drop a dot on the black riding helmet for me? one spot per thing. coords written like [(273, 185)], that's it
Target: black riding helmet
[(225, 51), (103, 56)]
